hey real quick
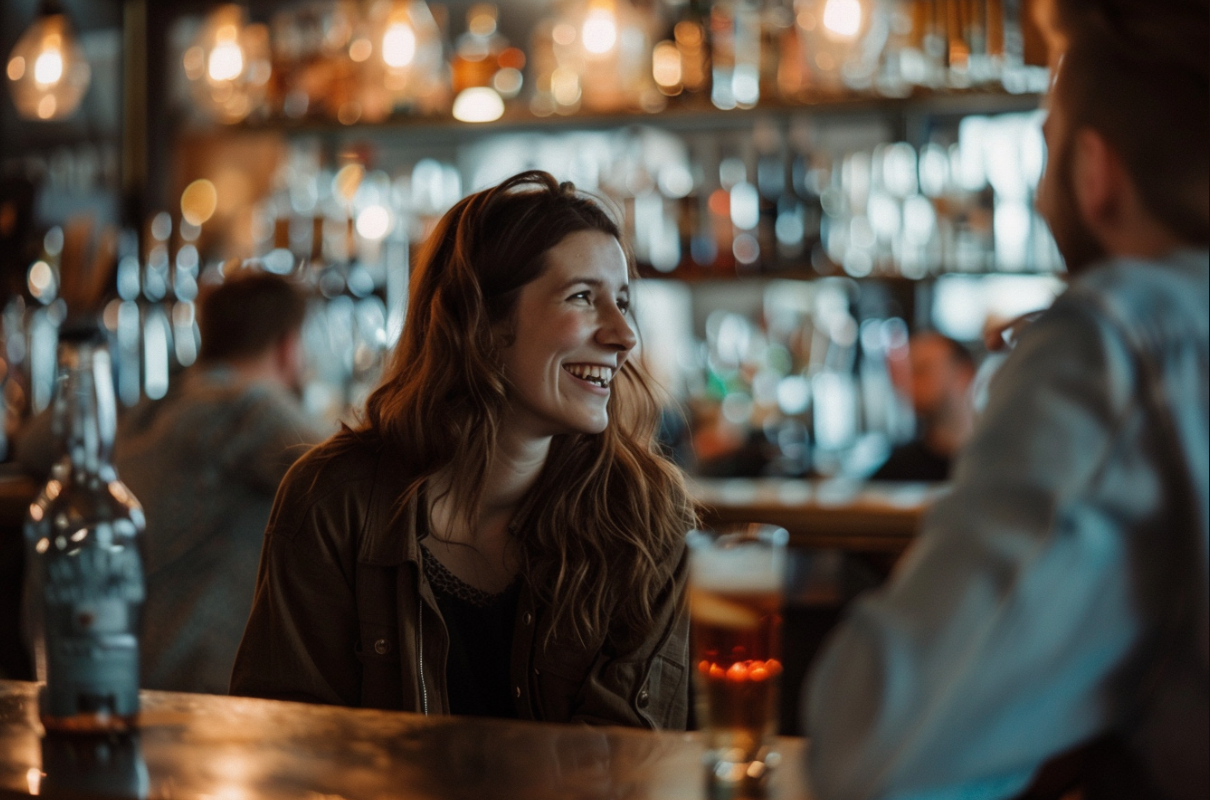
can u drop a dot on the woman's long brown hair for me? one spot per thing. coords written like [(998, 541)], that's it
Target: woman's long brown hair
[(601, 530)]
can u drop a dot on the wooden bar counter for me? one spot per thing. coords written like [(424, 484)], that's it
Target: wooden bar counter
[(842, 514), (195, 746)]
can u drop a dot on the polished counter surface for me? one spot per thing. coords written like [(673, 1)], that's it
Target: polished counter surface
[(197, 746), (843, 514)]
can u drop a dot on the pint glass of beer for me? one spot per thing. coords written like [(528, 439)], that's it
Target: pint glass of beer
[(736, 587)]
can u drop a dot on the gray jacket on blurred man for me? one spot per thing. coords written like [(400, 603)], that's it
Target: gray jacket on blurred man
[(205, 462)]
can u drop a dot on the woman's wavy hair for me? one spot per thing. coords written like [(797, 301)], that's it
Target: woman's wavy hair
[(601, 530)]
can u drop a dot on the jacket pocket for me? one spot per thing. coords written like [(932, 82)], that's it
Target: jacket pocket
[(377, 649), (663, 698), (558, 677)]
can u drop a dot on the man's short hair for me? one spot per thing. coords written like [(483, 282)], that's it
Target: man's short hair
[(247, 314), (1136, 71)]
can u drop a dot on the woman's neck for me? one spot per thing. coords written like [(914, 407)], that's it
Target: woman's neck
[(479, 549), (514, 468)]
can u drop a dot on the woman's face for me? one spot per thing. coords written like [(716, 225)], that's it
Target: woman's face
[(572, 335)]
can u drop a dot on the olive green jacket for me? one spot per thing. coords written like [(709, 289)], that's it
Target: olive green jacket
[(344, 615)]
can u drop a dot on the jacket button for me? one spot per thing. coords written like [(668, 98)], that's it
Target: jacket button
[(644, 697), (528, 619), (382, 647)]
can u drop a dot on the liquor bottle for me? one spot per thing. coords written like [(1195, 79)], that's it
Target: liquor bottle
[(83, 537)]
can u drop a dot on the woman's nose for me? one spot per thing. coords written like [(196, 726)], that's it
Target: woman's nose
[(615, 331)]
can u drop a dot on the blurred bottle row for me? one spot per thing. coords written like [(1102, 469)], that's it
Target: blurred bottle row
[(799, 199), (147, 284), (366, 61), (809, 378)]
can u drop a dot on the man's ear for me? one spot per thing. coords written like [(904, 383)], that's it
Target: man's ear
[(1099, 179), (287, 355)]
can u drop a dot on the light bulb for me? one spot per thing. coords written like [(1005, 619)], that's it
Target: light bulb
[(842, 18), (600, 30), (228, 64), (478, 104), (46, 70), (226, 60), (399, 45)]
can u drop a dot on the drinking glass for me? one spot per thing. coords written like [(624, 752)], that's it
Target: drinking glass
[(736, 591)]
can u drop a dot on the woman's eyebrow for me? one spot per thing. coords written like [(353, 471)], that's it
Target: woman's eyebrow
[(595, 283)]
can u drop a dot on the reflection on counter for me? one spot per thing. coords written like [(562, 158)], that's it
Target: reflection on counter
[(75, 765)]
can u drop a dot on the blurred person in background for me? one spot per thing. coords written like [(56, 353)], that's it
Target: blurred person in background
[(1048, 631), (942, 370), (205, 462), (502, 535)]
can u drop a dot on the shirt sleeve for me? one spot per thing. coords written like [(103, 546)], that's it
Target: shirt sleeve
[(1000, 640)]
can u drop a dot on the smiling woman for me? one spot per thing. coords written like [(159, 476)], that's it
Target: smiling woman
[(501, 536)]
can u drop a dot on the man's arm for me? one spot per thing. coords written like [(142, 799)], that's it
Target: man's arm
[(1001, 639)]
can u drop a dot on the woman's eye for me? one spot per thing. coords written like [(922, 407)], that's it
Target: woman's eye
[(624, 305), (585, 295)]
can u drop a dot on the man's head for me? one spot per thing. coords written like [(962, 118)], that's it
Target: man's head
[(253, 320), (1128, 140), (942, 371)]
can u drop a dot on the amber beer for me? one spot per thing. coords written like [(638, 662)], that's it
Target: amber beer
[(735, 601)]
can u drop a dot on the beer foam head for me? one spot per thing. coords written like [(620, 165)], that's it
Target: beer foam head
[(747, 568)]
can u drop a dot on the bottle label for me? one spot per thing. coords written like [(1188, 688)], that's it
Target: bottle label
[(92, 606)]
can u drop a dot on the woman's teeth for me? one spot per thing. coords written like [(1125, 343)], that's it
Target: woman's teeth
[(601, 376)]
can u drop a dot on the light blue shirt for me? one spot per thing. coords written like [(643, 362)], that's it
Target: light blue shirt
[(1059, 591)]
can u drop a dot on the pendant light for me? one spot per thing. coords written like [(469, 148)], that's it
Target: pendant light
[(47, 72)]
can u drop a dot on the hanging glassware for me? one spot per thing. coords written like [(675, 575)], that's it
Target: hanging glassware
[(228, 65), (47, 72)]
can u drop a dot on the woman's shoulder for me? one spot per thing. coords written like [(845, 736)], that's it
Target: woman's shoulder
[(343, 467)]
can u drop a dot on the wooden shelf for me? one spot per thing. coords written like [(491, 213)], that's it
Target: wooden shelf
[(687, 116)]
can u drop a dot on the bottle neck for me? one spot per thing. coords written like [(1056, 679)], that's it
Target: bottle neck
[(85, 412)]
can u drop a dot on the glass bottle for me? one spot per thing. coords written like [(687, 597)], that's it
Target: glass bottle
[(83, 538)]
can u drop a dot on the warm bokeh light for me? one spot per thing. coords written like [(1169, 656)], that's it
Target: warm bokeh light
[(478, 104), (374, 222), (41, 280), (399, 45), (565, 86), (346, 181), (600, 30), (563, 34), (360, 50), (842, 18), (481, 19), (508, 81), (48, 68), (227, 58), (228, 65), (199, 201), (666, 67), (47, 72)]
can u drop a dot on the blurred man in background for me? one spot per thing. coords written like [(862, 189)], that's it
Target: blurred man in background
[(205, 462), (1050, 626), (942, 371)]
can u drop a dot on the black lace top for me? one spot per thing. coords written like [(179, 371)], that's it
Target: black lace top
[(480, 627)]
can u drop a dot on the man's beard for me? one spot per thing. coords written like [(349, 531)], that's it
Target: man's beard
[(1077, 244)]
